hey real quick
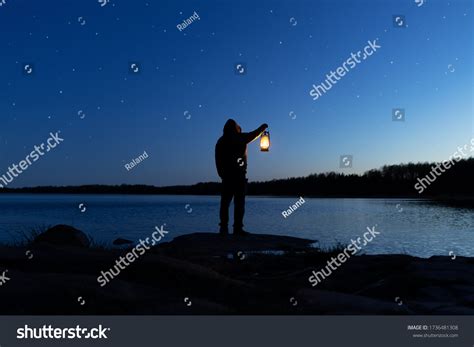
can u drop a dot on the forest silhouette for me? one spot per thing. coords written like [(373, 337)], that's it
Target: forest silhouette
[(388, 181)]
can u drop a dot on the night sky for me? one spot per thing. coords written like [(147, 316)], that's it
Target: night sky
[(82, 84)]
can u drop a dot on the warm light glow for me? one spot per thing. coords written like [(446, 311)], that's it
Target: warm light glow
[(265, 141)]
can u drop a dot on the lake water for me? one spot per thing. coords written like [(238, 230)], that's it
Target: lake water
[(406, 226)]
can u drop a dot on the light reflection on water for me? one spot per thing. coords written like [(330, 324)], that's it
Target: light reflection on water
[(420, 229)]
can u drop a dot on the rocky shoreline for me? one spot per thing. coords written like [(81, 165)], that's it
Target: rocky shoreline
[(205, 273)]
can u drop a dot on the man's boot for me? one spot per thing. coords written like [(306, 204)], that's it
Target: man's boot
[(223, 230)]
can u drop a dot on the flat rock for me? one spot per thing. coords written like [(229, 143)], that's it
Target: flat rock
[(120, 241), (215, 244)]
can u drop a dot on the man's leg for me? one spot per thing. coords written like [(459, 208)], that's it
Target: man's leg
[(239, 204), (226, 198)]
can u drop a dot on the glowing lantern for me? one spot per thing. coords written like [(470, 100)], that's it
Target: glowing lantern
[(265, 141)]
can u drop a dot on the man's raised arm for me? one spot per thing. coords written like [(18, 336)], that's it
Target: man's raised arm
[(253, 135)]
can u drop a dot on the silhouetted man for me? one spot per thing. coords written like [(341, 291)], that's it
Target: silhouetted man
[(231, 163)]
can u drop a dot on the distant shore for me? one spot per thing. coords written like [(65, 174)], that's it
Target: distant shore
[(390, 181), (464, 201), (126, 189), (398, 180)]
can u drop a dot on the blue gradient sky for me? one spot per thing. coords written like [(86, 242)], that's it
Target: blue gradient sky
[(85, 67)]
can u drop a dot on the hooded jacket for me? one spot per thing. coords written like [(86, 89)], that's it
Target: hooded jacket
[(231, 150)]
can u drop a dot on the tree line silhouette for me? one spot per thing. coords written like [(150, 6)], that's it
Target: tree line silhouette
[(388, 181)]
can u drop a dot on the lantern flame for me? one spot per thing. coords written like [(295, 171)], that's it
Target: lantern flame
[(265, 141)]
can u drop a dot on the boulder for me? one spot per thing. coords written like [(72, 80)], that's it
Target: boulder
[(120, 242), (64, 235)]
